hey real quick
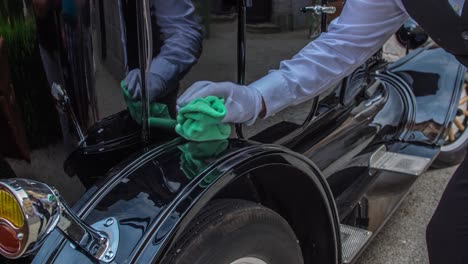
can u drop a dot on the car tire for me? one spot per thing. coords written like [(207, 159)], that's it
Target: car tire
[(452, 154), (5, 170), (234, 232)]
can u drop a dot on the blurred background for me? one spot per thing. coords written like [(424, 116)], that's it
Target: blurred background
[(33, 110)]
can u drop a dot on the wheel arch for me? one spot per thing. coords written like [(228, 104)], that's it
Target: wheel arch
[(301, 201), (304, 199)]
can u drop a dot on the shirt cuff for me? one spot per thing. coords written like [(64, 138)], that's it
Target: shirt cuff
[(275, 92)]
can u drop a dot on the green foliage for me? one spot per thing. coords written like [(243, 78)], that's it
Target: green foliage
[(20, 38), (29, 81)]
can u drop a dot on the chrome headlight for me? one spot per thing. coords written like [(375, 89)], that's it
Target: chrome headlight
[(29, 211)]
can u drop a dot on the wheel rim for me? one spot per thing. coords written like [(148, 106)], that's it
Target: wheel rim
[(458, 132), (249, 260)]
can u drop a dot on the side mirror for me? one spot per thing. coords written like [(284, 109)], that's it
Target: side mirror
[(31, 210)]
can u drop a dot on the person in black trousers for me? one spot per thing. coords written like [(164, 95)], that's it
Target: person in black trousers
[(447, 232)]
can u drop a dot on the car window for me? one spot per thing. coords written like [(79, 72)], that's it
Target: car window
[(218, 60), (277, 32), (273, 33), (91, 61), (193, 40)]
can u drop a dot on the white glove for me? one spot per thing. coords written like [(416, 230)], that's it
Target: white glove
[(156, 85), (243, 104)]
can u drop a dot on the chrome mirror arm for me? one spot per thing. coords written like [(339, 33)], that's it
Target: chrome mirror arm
[(94, 242)]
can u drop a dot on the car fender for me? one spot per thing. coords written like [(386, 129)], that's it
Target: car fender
[(279, 179), (154, 196), (433, 79)]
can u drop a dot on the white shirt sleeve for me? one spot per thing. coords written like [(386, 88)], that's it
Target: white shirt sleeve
[(362, 28)]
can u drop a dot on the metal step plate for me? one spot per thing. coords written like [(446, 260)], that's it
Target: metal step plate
[(401, 163), (353, 240)]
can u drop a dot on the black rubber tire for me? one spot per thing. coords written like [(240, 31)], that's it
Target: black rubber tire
[(228, 230), (452, 155), (5, 170)]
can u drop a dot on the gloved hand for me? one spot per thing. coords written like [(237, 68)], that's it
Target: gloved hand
[(156, 85), (243, 104)]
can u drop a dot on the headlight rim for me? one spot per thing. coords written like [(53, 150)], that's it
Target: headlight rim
[(36, 228), (22, 231)]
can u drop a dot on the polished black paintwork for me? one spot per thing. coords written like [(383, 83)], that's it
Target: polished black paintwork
[(320, 174), (436, 79), (157, 192), (106, 144)]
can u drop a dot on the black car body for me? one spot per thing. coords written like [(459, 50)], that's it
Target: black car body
[(317, 165)]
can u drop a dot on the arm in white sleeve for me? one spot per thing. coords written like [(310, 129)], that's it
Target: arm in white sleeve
[(182, 39), (362, 28)]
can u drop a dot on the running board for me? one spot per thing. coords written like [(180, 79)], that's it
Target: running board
[(396, 162), (352, 241)]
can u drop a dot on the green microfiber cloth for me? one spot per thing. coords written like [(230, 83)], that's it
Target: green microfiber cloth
[(158, 113), (200, 120), (196, 157)]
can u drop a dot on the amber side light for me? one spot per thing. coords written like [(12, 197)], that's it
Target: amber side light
[(10, 210)]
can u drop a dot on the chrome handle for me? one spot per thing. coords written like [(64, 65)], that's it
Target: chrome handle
[(318, 10)]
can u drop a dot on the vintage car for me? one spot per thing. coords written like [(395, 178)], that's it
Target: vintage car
[(313, 184)]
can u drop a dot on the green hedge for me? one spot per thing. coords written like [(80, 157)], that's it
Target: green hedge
[(30, 82)]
